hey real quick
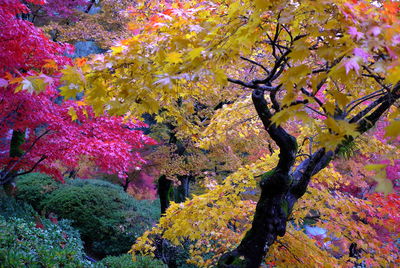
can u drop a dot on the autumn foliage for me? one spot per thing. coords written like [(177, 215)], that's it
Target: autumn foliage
[(286, 113), (57, 136)]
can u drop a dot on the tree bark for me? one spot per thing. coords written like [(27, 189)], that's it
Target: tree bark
[(181, 192), (164, 192), (17, 140)]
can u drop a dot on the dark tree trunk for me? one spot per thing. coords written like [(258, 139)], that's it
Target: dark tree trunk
[(17, 140), (182, 191), (165, 190), (125, 185)]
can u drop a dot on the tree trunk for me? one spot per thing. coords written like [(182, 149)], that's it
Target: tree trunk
[(165, 190), (17, 140), (182, 191)]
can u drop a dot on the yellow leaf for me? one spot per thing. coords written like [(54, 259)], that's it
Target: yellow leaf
[(220, 76), (393, 75), (281, 117), (340, 98), (371, 167), (393, 129), (261, 4), (117, 49), (174, 57), (194, 53), (72, 113), (300, 51), (330, 108), (234, 9)]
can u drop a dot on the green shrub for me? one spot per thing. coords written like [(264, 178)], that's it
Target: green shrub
[(125, 261), (9, 207), (108, 218), (35, 187), (22, 244)]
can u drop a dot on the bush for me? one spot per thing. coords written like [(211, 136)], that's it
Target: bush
[(108, 218), (125, 261), (23, 244), (9, 207), (35, 187)]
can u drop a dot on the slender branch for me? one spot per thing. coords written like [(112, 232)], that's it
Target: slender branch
[(315, 111), (363, 99), (288, 32), (309, 94), (7, 172), (369, 108), (256, 63), (32, 168), (376, 77)]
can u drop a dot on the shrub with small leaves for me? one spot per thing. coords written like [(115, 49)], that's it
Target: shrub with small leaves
[(23, 244), (125, 261)]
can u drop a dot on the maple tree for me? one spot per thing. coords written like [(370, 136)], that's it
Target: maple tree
[(318, 72), (46, 133)]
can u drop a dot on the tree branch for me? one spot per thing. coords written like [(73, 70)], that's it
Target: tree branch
[(252, 85), (32, 168), (286, 143), (256, 63)]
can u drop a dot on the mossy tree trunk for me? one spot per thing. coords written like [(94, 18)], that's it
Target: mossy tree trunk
[(17, 140)]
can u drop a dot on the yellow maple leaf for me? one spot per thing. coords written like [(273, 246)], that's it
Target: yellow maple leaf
[(72, 113), (174, 57), (194, 53)]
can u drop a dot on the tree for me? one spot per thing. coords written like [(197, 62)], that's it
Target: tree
[(45, 132), (329, 65)]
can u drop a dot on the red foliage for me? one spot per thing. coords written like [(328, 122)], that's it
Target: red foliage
[(54, 143), (24, 47)]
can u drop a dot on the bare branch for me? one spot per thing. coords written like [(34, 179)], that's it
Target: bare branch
[(256, 63), (32, 168), (315, 111), (286, 142), (8, 169), (376, 77), (363, 99)]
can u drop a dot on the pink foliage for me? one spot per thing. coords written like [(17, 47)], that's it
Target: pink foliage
[(142, 186), (23, 46), (54, 142), (109, 143)]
